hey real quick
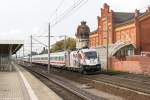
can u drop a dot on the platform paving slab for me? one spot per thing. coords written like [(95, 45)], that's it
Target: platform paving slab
[(11, 87), (41, 91)]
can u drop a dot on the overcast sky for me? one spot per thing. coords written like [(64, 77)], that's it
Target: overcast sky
[(21, 18)]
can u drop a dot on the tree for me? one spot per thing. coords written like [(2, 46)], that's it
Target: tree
[(70, 44)]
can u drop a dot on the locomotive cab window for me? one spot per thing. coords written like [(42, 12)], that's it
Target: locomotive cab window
[(90, 55)]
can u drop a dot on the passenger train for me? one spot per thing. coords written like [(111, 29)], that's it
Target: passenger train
[(82, 60)]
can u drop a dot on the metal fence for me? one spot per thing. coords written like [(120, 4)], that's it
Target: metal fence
[(5, 63)]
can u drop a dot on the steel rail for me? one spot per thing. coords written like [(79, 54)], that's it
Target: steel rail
[(120, 85), (75, 92)]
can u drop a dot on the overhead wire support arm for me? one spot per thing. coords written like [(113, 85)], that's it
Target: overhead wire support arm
[(40, 36), (40, 42)]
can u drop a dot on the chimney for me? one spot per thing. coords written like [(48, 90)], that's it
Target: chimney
[(148, 9), (137, 13), (106, 7)]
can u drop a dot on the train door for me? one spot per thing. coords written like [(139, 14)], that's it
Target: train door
[(73, 59), (67, 59)]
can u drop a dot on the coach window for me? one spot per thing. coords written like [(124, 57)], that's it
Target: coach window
[(50, 58), (62, 58)]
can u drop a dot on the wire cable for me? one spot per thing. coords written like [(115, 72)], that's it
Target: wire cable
[(69, 11), (57, 8)]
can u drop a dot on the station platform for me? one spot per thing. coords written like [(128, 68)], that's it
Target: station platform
[(21, 85)]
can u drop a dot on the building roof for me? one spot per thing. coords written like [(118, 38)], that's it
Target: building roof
[(94, 31), (121, 17)]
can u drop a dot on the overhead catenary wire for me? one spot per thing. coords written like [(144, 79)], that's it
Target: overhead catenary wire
[(57, 8), (40, 42), (71, 10), (68, 12), (71, 7)]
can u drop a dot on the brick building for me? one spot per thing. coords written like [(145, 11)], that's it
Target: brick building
[(124, 27)]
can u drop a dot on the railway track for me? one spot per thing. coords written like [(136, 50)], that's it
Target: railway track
[(128, 88), (137, 78), (137, 86), (71, 92), (124, 85)]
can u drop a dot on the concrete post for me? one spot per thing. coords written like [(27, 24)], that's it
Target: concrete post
[(48, 48), (65, 48), (10, 58), (31, 53), (23, 55)]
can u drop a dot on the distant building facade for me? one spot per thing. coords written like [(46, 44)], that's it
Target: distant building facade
[(82, 36), (122, 27)]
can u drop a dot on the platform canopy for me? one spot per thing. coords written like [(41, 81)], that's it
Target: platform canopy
[(10, 45)]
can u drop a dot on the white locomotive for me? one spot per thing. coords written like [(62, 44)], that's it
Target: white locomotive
[(82, 60)]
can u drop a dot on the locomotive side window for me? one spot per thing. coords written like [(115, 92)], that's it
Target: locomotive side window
[(44, 58)]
